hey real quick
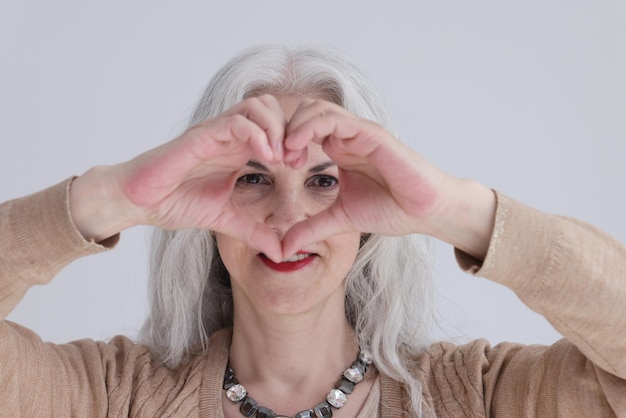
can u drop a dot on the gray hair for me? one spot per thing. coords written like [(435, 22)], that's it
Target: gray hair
[(389, 289)]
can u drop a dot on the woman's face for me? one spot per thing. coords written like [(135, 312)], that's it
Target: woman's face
[(281, 196)]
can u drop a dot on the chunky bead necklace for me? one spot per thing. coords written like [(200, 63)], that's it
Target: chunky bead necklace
[(336, 398)]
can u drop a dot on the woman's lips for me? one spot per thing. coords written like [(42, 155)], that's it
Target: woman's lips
[(295, 262)]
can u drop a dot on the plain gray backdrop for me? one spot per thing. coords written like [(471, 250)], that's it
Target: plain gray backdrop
[(527, 97)]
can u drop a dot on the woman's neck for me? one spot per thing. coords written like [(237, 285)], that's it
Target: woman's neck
[(301, 356)]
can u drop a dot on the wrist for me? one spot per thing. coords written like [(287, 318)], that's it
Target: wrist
[(467, 219), (97, 208)]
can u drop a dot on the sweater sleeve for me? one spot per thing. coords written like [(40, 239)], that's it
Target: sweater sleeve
[(575, 276), (82, 378), (38, 239)]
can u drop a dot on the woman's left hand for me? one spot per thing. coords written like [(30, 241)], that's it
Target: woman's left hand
[(384, 187)]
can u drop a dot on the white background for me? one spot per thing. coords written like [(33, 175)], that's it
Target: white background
[(527, 97)]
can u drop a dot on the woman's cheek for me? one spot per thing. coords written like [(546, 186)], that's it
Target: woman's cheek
[(249, 201), (323, 200)]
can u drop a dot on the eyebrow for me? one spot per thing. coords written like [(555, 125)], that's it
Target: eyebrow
[(315, 169), (321, 167), (256, 165)]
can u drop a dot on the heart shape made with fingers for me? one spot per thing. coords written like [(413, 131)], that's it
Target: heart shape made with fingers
[(189, 182)]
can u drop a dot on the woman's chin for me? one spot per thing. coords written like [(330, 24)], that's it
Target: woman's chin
[(292, 300)]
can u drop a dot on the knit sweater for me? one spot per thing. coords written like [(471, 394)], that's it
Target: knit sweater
[(564, 269)]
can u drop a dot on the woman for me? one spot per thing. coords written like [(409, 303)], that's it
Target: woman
[(287, 248)]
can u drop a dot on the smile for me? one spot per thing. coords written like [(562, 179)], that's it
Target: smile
[(293, 263)]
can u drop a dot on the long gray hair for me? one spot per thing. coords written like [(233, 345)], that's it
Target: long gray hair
[(389, 290)]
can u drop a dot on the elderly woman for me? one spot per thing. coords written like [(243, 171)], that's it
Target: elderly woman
[(290, 270)]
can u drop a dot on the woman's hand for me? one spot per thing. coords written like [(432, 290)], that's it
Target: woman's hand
[(384, 186), (187, 182)]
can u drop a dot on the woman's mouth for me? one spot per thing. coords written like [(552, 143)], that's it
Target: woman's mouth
[(297, 261)]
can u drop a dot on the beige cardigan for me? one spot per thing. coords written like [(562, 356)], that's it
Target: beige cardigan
[(564, 269)]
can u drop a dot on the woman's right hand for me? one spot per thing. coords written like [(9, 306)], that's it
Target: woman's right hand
[(187, 182)]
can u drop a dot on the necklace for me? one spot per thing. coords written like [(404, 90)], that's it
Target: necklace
[(336, 398)]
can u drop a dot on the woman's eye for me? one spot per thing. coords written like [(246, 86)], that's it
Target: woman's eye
[(323, 181), (252, 178)]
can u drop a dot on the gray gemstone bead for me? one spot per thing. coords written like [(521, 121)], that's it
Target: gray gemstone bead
[(305, 414), (323, 410), (346, 386), (249, 407), (264, 412)]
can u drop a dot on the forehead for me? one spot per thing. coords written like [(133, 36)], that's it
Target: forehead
[(289, 104), (316, 155)]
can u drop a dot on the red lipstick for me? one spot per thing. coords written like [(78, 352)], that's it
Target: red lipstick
[(289, 266)]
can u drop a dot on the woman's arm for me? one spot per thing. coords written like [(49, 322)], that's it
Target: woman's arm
[(38, 239), (566, 270), (573, 275), (385, 187), (548, 261), (185, 183)]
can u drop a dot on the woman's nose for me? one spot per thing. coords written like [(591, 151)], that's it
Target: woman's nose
[(285, 210)]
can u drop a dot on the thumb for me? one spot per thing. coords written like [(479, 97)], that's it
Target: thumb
[(319, 227), (254, 234)]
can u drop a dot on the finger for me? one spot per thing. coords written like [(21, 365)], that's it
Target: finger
[(296, 159), (247, 131), (309, 109), (276, 139), (212, 138), (358, 136), (266, 112), (254, 234), (337, 133), (317, 228), (296, 154)]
